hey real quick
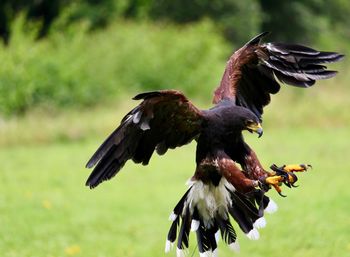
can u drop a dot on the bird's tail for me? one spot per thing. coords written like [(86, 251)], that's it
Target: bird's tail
[(206, 209)]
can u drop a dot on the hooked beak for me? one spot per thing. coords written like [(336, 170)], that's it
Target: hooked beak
[(256, 127)]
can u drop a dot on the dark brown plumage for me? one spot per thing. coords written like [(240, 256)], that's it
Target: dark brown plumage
[(252, 73), (229, 179), (165, 119)]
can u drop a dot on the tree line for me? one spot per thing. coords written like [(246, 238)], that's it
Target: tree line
[(237, 20)]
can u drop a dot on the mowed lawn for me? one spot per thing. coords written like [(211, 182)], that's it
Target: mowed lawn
[(46, 211)]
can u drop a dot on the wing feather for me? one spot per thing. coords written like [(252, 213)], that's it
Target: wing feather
[(164, 119), (254, 71)]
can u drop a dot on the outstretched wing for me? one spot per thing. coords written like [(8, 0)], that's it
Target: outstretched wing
[(164, 119), (254, 71)]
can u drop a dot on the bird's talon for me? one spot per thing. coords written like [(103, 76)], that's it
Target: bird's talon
[(279, 190), (288, 184), (280, 193), (285, 174)]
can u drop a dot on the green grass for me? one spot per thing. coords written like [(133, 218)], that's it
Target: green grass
[(45, 210)]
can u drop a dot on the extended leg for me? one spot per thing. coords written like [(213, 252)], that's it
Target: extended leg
[(236, 177), (284, 174), (211, 170)]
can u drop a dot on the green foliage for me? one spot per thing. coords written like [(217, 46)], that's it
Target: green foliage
[(238, 20), (306, 21), (81, 69), (290, 20), (43, 73), (300, 20), (97, 13)]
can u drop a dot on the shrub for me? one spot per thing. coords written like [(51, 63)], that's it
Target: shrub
[(76, 68)]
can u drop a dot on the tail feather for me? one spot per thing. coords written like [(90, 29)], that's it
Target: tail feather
[(228, 233), (173, 231), (261, 201), (205, 209), (246, 205), (203, 238), (184, 232), (243, 221), (180, 205), (211, 238)]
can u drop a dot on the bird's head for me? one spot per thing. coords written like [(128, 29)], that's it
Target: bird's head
[(244, 119), (254, 126)]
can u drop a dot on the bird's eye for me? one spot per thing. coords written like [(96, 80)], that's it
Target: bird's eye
[(249, 122)]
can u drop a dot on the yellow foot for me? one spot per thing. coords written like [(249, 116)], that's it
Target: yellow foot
[(285, 175), (296, 167), (276, 182)]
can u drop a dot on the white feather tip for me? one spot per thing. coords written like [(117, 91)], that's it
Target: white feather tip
[(172, 216), (217, 236), (235, 246), (168, 246), (260, 223), (206, 254), (271, 207), (194, 225), (253, 234), (181, 252)]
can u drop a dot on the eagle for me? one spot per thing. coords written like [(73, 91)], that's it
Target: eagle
[(229, 182)]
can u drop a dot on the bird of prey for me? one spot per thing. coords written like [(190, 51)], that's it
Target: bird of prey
[(229, 180)]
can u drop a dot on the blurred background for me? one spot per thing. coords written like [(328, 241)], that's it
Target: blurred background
[(68, 70)]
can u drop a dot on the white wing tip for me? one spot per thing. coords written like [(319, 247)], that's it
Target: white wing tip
[(253, 234), (271, 207)]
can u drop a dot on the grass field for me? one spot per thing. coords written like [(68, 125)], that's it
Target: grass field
[(45, 210)]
